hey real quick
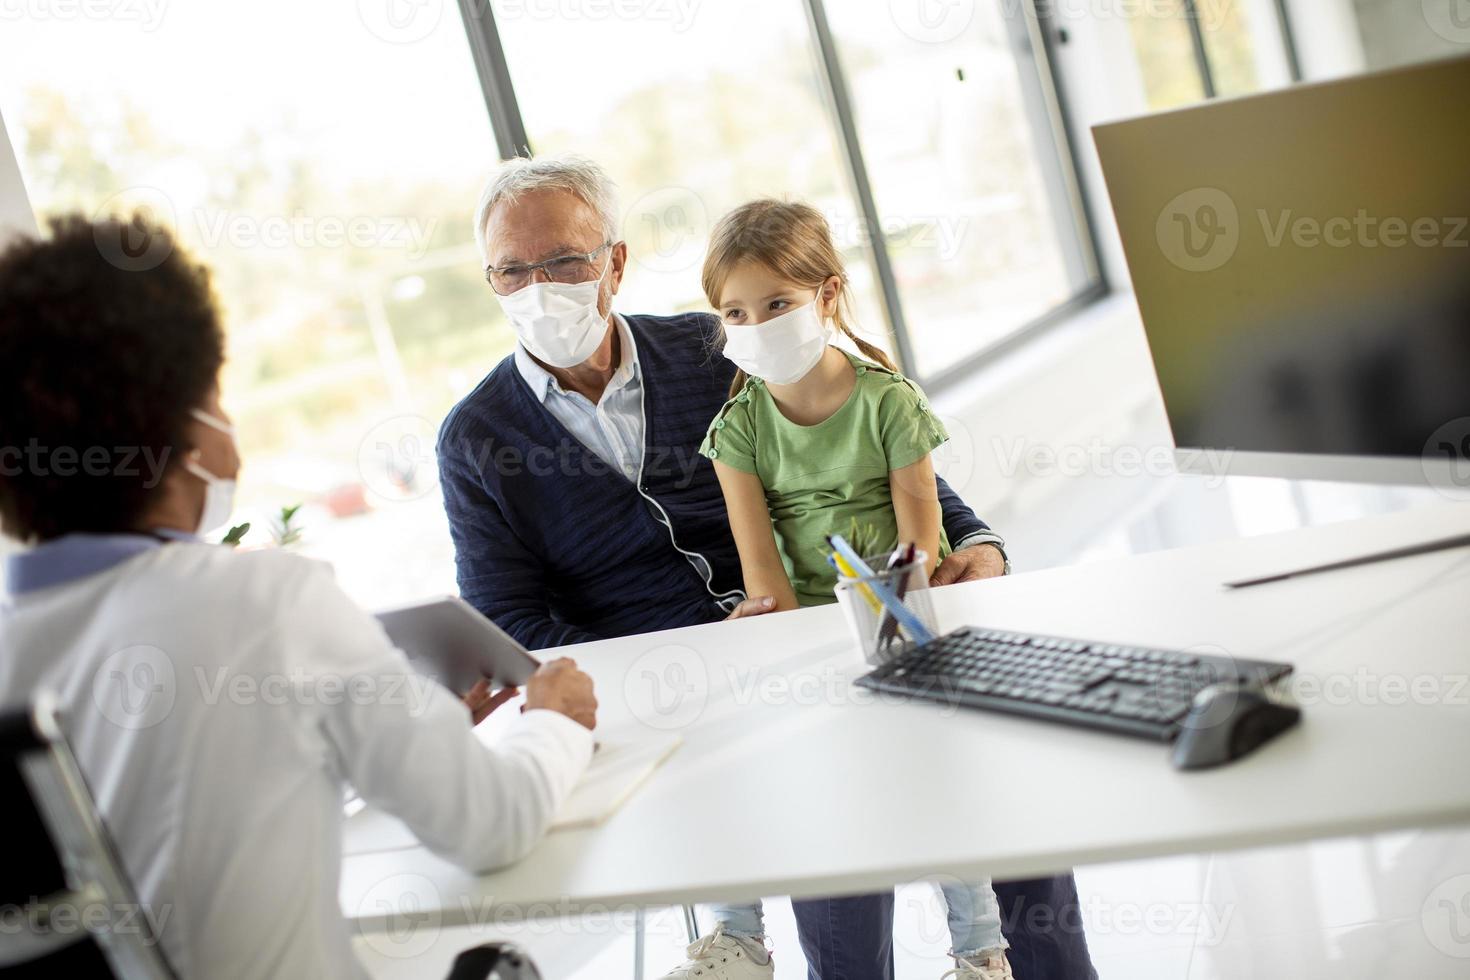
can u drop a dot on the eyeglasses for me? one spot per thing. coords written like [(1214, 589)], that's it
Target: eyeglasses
[(567, 269)]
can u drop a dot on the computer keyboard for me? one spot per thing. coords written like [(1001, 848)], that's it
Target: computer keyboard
[(1131, 690)]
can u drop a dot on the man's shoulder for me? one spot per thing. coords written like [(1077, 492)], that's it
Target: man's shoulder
[(489, 399), (692, 328)]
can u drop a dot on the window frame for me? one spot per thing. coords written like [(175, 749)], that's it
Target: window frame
[(1043, 95)]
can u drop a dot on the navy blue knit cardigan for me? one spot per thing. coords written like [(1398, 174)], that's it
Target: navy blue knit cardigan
[(557, 546)]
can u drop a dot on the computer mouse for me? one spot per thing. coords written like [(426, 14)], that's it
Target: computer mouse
[(1227, 721)]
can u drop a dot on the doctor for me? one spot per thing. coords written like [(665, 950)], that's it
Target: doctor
[(218, 702)]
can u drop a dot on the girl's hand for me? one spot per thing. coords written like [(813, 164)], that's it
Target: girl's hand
[(756, 606)]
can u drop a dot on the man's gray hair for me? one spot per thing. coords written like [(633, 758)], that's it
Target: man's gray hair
[(566, 172)]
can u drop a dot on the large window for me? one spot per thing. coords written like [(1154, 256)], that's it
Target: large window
[(325, 160), (957, 160), (1190, 50), (325, 166), (692, 115)]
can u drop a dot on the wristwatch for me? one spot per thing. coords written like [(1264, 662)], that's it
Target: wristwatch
[(992, 539)]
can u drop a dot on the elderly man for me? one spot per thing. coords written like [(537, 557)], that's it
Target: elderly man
[(580, 509)]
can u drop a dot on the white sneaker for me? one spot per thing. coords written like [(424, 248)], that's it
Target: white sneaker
[(988, 964), (721, 957)]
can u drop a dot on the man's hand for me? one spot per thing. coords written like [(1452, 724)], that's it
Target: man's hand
[(481, 702), (970, 565), (559, 686), (757, 606)]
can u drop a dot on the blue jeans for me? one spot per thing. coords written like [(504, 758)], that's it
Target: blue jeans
[(974, 918), (842, 938), (1041, 918)]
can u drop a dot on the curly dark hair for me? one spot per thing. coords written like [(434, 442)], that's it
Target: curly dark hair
[(109, 336)]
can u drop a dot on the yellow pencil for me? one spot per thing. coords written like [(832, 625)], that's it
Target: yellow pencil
[(847, 570)]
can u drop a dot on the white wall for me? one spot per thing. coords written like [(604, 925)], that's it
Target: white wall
[(1327, 38), (15, 208), (1401, 32)]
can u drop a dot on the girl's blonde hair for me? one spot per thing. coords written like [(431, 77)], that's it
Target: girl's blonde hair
[(793, 241)]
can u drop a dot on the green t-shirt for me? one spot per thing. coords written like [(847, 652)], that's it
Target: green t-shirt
[(830, 477)]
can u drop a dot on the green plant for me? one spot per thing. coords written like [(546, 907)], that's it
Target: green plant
[(283, 528)]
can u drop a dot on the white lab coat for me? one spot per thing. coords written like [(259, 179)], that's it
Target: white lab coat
[(219, 702)]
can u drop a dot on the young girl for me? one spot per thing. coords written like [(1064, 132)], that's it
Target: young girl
[(816, 440)]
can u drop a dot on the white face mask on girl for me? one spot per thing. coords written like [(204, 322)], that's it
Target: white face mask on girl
[(783, 349), (558, 322), (219, 493)]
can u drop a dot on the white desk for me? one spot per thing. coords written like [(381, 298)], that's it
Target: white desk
[(793, 782)]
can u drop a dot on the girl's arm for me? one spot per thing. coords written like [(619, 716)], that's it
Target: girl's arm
[(755, 538), (916, 506)]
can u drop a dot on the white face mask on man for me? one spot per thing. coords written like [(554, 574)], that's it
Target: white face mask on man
[(781, 350), (219, 493), (559, 322)]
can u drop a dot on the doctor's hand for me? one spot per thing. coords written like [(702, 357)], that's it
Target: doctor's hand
[(559, 686), (970, 565), (481, 702)]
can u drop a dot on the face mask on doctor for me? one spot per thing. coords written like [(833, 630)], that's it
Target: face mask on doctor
[(559, 322), (219, 493), (781, 350)]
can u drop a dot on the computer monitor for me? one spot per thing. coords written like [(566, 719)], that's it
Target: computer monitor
[(1301, 261)]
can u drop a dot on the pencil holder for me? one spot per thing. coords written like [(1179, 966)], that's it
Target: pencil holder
[(878, 634)]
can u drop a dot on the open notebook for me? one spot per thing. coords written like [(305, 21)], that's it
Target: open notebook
[(617, 769)]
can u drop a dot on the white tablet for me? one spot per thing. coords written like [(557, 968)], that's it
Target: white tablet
[(449, 640)]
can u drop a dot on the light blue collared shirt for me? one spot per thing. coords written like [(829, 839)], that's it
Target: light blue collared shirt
[(73, 556), (613, 428)]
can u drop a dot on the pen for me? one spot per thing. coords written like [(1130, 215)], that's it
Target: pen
[(917, 631)]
